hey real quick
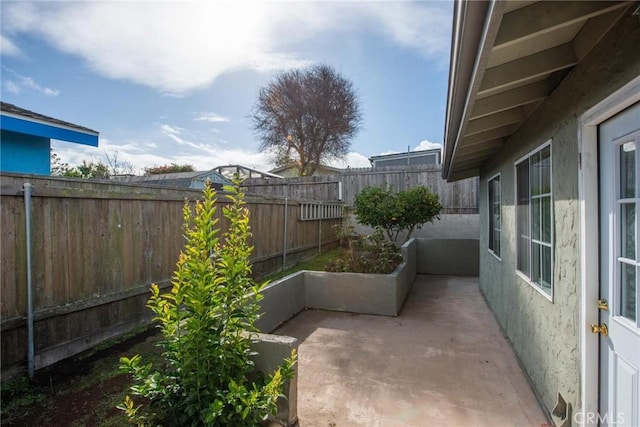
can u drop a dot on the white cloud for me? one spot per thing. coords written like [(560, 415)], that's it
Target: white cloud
[(203, 158), (170, 130), (177, 47), (211, 117), (173, 132), (428, 145), (20, 82), (11, 86), (352, 160), (31, 84), (384, 153), (8, 48), (425, 28)]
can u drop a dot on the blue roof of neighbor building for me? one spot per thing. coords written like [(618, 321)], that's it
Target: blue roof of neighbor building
[(16, 119)]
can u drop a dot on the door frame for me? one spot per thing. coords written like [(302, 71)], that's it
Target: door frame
[(588, 123)]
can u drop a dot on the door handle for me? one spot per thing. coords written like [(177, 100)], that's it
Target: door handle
[(601, 329)]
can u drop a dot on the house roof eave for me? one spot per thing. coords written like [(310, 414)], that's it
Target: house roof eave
[(475, 27), (499, 76)]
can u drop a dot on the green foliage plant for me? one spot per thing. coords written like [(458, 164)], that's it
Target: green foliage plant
[(170, 168), (371, 254), (345, 231), (397, 212), (207, 377), (87, 170)]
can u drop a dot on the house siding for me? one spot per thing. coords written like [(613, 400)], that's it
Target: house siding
[(545, 334), (24, 153)]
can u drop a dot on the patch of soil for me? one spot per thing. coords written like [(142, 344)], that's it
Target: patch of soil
[(82, 391)]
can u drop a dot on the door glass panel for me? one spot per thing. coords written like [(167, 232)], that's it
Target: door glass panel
[(628, 170), (628, 230), (628, 291)]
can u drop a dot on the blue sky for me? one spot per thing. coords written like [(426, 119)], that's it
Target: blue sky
[(176, 81)]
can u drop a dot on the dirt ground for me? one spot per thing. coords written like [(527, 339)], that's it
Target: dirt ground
[(83, 391)]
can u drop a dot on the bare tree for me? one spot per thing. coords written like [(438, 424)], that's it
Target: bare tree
[(307, 116), (117, 166)]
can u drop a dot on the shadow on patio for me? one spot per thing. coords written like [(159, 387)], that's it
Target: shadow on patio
[(442, 362)]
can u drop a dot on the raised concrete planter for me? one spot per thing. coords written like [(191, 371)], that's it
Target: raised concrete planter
[(362, 293), (382, 294), (353, 292), (271, 350)]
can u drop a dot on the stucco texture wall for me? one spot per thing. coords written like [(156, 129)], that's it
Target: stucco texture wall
[(544, 333)]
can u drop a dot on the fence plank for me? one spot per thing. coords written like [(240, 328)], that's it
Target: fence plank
[(94, 242), (9, 260), (456, 197)]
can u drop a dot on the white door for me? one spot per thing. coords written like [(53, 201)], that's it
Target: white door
[(619, 167)]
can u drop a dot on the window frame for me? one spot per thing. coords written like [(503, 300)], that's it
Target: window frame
[(490, 225), (528, 277)]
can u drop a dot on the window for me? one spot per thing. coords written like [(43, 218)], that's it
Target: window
[(534, 226), (494, 215)]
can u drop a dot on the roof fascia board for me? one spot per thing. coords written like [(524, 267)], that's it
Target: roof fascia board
[(480, 52), (47, 130), (466, 16), (55, 123)]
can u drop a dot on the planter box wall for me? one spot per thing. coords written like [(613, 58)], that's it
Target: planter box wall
[(382, 294), (282, 300), (407, 275), (352, 292), (271, 350)]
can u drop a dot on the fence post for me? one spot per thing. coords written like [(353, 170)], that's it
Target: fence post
[(30, 343), (320, 212), (284, 245)]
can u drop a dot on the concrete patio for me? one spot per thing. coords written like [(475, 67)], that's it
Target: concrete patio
[(442, 362)]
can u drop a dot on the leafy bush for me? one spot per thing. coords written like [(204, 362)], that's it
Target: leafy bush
[(171, 168), (206, 320), (372, 254), (345, 231), (396, 212)]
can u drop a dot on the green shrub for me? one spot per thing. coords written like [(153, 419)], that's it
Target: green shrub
[(372, 254), (396, 212), (206, 322)]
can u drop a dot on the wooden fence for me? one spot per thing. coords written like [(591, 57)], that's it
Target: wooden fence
[(96, 248), (460, 197)]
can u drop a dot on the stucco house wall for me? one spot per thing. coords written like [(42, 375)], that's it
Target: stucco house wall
[(545, 334)]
